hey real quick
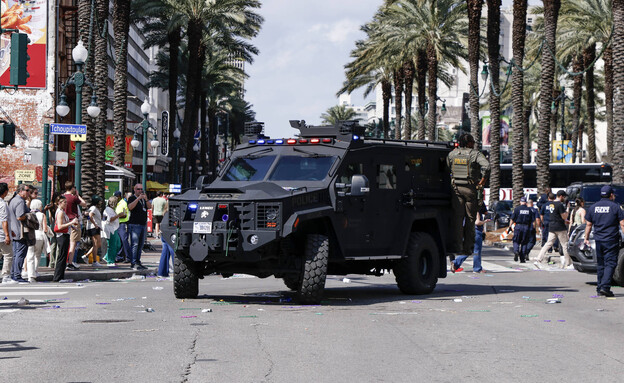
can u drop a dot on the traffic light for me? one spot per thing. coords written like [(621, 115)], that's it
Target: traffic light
[(7, 133), (19, 59)]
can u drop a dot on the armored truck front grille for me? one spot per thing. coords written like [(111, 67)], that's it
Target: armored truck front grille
[(245, 215), (174, 214), (268, 216)]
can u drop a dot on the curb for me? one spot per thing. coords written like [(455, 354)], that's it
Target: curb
[(95, 275)]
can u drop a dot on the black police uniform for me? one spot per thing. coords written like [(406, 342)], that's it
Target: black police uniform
[(605, 216), (533, 234), (523, 217)]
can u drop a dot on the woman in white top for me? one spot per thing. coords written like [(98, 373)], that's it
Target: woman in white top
[(94, 228), (109, 231), (42, 244)]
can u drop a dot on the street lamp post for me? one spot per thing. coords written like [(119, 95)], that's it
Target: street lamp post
[(78, 79), (562, 98), (176, 144), (145, 125)]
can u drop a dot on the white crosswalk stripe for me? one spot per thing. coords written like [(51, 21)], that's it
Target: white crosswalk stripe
[(34, 293)]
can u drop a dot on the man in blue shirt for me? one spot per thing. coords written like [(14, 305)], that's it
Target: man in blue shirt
[(604, 217), (523, 218)]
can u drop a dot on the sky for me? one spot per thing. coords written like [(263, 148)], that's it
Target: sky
[(304, 45)]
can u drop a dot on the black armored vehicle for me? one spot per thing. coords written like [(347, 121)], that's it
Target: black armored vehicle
[(330, 201)]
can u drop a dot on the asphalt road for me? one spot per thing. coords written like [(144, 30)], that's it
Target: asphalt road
[(494, 327)]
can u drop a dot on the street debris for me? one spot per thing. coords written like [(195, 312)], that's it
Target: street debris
[(529, 316), (553, 300), (206, 310), (457, 300), (157, 288), (23, 302), (149, 310), (346, 280)]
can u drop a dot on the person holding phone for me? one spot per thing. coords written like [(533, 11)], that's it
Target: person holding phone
[(138, 205)]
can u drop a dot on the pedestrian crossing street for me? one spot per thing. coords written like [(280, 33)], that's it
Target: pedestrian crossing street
[(36, 294)]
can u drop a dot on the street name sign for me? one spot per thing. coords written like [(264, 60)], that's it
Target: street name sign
[(68, 129)]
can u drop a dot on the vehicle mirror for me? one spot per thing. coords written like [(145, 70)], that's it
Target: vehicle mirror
[(359, 185)]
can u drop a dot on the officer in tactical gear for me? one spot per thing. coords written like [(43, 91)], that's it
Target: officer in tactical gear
[(469, 172)]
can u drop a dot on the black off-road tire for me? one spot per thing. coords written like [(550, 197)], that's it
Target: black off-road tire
[(185, 278), (314, 273), (618, 273), (417, 273), (292, 283)]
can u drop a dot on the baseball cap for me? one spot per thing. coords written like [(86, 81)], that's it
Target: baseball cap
[(117, 193), (523, 199), (606, 191)]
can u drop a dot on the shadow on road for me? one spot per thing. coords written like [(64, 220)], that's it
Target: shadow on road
[(13, 346)]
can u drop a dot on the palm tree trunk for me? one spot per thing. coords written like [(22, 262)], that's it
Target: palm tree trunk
[(121, 28), (554, 118), (526, 133), (493, 32), (192, 83), (589, 55), (212, 142), (174, 50), (551, 13), (577, 66), (202, 123), (517, 95), (474, 31), (386, 94), (580, 140), (398, 102), (618, 96), (421, 71), (89, 167), (608, 70), (408, 75), (432, 67), (101, 85)]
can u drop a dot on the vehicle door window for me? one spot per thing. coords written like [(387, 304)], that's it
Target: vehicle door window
[(349, 171), (386, 176)]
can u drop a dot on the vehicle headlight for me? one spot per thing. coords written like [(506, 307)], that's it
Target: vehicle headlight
[(271, 214)]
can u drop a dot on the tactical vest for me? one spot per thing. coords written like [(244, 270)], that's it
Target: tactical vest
[(460, 166)]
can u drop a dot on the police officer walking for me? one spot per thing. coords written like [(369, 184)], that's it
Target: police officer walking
[(469, 171), (524, 218), (604, 217)]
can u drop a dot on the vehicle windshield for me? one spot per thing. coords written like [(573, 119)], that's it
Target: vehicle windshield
[(503, 206), (248, 169), (298, 168), (592, 194)]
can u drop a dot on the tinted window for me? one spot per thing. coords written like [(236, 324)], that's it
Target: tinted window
[(350, 171), (249, 169), (503, 206), (297, 168), (386, 177)]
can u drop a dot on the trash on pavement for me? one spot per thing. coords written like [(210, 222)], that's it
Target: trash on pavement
[(149, 310), (137, 277), (346, 280), (206, 310), (553, 300), (458, 300), (157, 288), (23, 302)]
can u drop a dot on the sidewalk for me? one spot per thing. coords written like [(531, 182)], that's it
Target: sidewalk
[(149, 259)]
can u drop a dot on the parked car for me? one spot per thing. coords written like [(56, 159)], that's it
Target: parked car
[(584, 257), (501, 213)]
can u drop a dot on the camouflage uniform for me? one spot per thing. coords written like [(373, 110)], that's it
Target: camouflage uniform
[(467, 166)]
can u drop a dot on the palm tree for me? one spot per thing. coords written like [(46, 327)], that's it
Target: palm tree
[(588, 57), (493, 32), (162, 27), (338, 113), (89, 151), (225, 21), (408, 76), (121, 29), (436, 27), (586, 23), (517, 91), (474, 45), (551, 13), (618, 70), (101, 85)]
